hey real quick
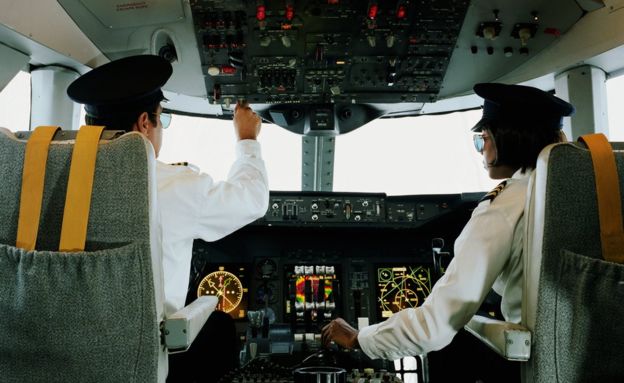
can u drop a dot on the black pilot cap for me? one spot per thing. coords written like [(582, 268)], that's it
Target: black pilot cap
[(520, 104), (121, 86)]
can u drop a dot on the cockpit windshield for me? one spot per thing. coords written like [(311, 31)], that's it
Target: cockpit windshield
[(411, 155)]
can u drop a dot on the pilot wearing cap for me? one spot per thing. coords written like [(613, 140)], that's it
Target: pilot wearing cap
[(125, 95), (517, 123)]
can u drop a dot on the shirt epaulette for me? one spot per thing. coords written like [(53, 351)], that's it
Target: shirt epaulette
[(494, 192), (180, 164)]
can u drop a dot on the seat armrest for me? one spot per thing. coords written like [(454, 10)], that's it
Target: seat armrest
[(182, 327), (510, 340)]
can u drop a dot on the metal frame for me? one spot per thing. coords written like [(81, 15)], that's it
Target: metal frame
[(50, 104), (317, 166), (585, 87)]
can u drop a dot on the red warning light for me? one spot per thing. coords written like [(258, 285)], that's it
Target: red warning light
[(372, 11), (333, 2), (227, 69), (290, 12), (261, 12), (401, 12)]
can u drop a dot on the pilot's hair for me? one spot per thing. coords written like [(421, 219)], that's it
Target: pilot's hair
[(124, 120), (518, 145)]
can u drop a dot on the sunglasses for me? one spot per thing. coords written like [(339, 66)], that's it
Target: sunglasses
[(165, 119), (479, 141)]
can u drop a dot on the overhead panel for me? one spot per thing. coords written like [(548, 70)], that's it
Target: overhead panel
[(318, 52), (326, 67), (500, 36)]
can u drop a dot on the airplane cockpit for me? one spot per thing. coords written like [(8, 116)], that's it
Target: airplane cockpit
[(320, 69)]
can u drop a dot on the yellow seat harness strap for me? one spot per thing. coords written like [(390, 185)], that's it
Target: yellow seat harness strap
[(79, 188), (33, 179), (608, 195)]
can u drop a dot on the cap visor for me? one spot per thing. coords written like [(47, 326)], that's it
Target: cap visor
[(479, 126)]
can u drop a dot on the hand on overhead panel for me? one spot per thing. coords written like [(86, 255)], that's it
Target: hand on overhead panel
[(246, 122)]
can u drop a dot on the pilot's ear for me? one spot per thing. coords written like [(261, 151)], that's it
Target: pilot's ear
[(142, 123)]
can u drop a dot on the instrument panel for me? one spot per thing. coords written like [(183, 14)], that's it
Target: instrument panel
[(317, 52), (228, 287), (320, 209), (401, 286), (310, 259), (311, 292), (317, 67)]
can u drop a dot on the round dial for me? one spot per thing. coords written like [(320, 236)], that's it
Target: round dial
[(226, 286)]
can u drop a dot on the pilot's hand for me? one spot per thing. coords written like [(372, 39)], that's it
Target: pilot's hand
[(246, 122), (341, 333)]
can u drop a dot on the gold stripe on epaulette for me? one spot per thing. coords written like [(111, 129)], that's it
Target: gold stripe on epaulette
[(494, 192)]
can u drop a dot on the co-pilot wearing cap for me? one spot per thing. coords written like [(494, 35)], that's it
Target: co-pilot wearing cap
[(125, 95), (517, 123)]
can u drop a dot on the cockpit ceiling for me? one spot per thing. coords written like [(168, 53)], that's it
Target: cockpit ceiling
[(303, 63)]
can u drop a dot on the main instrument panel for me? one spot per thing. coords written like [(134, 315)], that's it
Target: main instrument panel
[(316, 256)]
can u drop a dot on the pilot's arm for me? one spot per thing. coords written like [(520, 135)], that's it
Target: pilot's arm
[(211, 210), (244, 196), (481, 252)]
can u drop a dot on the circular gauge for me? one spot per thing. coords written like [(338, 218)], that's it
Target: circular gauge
[(384, 275), (405, 298), (226, 286)]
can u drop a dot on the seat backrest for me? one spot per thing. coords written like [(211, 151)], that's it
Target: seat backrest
[(90, 316), (573, 299)]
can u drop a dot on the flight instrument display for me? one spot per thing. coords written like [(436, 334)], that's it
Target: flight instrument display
[(312, 288), (401, 287), (228, 286)]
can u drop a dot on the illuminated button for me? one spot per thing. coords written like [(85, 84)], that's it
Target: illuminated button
[(261, 12), (227, 69), (401, 12), (290, 12), (372, 11)]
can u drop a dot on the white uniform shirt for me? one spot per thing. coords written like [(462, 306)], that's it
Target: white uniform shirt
[(488, 254), (192, 205)]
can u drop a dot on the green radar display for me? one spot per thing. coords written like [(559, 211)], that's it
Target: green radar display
[(401, 287)]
